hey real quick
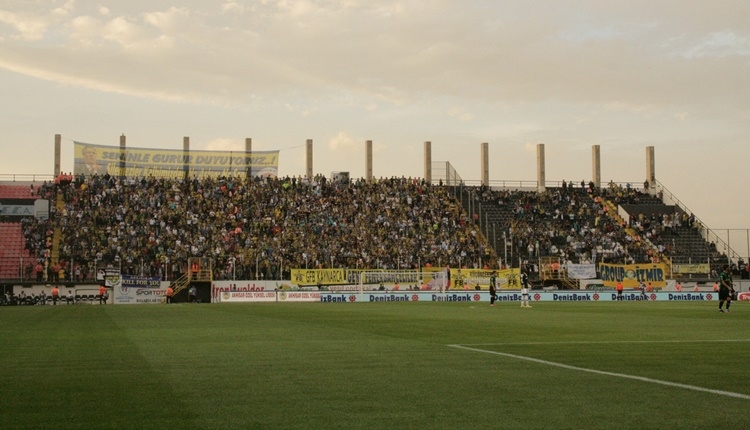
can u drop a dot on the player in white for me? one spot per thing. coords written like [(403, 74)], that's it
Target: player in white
[(525, 290)]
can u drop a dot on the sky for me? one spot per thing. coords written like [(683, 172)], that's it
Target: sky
[(624, 75)]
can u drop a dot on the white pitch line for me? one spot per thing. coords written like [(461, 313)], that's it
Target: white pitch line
[(601, 372), (603, 342)]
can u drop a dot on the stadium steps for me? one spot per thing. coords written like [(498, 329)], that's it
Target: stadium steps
[(613, 212), (495, 220), (187, 278), (57, 234), (180, 283), (558, 277), (569, 283)]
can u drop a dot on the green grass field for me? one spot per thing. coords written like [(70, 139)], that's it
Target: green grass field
[(376, 366)]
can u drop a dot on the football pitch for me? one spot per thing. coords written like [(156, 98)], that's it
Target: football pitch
[(631, 365)]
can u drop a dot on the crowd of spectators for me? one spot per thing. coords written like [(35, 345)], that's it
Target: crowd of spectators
[(252, 227), (569, 223)]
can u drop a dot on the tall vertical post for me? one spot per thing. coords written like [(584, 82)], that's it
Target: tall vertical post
[(485, 164), (541, 175), (58, 145), (368, 161), (123, 161), (249, 152), (428, 162), (650, 168), (596, 166), (186, 157), (309, 163)]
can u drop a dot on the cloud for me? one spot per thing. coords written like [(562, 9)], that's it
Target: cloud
[(719, 45), (391, 53), (341, 141), (223, 144), (232, 7), (28, 28), (460, 114)]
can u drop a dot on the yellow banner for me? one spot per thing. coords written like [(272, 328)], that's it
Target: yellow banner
[(319, 276), (631, 275), (460, 278), (699, 269), (470, 278), (92, 159)]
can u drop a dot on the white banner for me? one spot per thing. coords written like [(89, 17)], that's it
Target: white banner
[(299, 296), (247, 296), (581, 271), (129, 295), (218, 287)]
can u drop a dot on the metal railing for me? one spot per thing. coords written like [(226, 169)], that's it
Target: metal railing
[(708, 234), (26, 177)]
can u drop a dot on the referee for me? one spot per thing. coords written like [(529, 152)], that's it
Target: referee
[(725, 288)]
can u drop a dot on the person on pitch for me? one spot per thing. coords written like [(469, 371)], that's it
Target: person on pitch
[(55, 295), (170, 293), (725, 288), (642, 287), (493, 288), (102, 295), (525, 290)]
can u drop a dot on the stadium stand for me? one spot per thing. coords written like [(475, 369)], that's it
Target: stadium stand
[(14, 255), (263, 227), (585, 224), (266, 226), (571, 224), (18, 191), (673, 232)]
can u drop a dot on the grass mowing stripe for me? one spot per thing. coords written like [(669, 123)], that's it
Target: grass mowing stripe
[(601, 372), (72, 366)]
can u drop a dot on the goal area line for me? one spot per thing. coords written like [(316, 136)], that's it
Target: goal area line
[(602, 372)]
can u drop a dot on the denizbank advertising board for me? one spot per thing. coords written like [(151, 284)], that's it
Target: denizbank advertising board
[(93, 159)]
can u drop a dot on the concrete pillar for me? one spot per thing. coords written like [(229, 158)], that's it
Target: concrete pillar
[(485, 164), (123, 150), (368, 160), (58, 145), (249, 151), (309, 163), (596, 166), (428, 162), (541, 175), (650, 168), (185, 154)]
